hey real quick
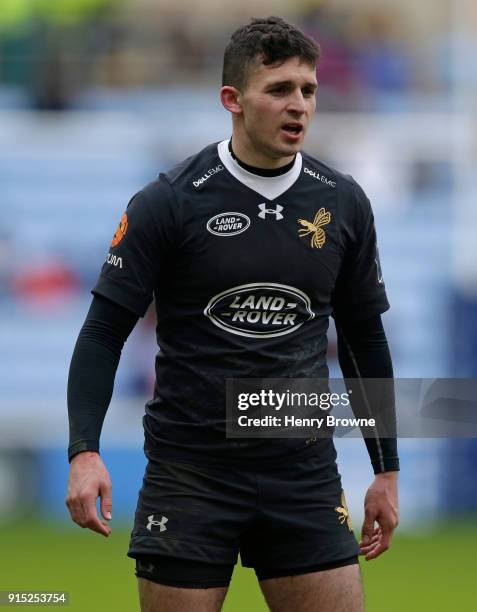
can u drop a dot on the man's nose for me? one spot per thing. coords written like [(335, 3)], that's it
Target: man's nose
[(296, 102)]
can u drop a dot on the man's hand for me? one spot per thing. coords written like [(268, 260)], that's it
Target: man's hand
[(380, 505), (88, 480)]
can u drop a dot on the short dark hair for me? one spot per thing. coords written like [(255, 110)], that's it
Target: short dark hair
[(268, 40)]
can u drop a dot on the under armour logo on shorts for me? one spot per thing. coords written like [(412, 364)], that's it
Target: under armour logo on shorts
[(270, 211), (145, 567), (161, 523)]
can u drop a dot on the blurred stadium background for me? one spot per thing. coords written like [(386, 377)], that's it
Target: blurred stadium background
[(97, 97)]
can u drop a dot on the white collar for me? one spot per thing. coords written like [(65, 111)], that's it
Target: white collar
[(268, 186)]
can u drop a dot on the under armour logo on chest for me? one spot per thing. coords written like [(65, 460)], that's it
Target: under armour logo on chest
[(161, 523), (264, 211)]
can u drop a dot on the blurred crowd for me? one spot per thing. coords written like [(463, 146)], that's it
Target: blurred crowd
[(54, 50)]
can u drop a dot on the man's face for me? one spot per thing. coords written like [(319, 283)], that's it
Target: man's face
[(278, 103)]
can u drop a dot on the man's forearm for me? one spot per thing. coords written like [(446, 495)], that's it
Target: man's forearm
[(92, 371), (363, 353), (90, 387)]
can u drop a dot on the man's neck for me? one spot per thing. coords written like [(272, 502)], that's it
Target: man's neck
[(249, 156), (261, 171)]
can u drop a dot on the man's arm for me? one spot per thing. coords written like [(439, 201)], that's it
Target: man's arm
[(363, 353), (90, 387)]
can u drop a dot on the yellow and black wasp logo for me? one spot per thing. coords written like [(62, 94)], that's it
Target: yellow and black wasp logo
[(318, 236), (343, 512)]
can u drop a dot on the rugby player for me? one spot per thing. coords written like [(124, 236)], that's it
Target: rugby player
[(247, 247)]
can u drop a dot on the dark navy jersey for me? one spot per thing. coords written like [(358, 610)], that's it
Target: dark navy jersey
[(245, 271)]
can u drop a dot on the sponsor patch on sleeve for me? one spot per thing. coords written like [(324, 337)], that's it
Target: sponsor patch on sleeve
[(121, 231)]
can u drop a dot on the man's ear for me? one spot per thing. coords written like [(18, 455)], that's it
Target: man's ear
[(230, 98)]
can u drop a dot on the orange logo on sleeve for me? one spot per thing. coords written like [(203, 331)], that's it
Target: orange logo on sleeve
[(121, 231)]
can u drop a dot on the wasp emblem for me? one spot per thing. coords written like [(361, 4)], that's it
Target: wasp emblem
[(318, 237), (343, 512)]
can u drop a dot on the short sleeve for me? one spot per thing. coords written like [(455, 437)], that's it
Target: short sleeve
[(140, 249), (360, 291)]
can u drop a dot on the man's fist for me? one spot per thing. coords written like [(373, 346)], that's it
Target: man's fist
[(88, 480)]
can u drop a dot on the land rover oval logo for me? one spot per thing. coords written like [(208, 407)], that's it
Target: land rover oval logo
[(228, 224), (260, 310)]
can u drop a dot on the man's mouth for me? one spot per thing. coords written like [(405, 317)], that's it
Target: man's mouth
[(292, 128)]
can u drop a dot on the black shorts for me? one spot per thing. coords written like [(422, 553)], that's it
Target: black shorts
[(279, 519)]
